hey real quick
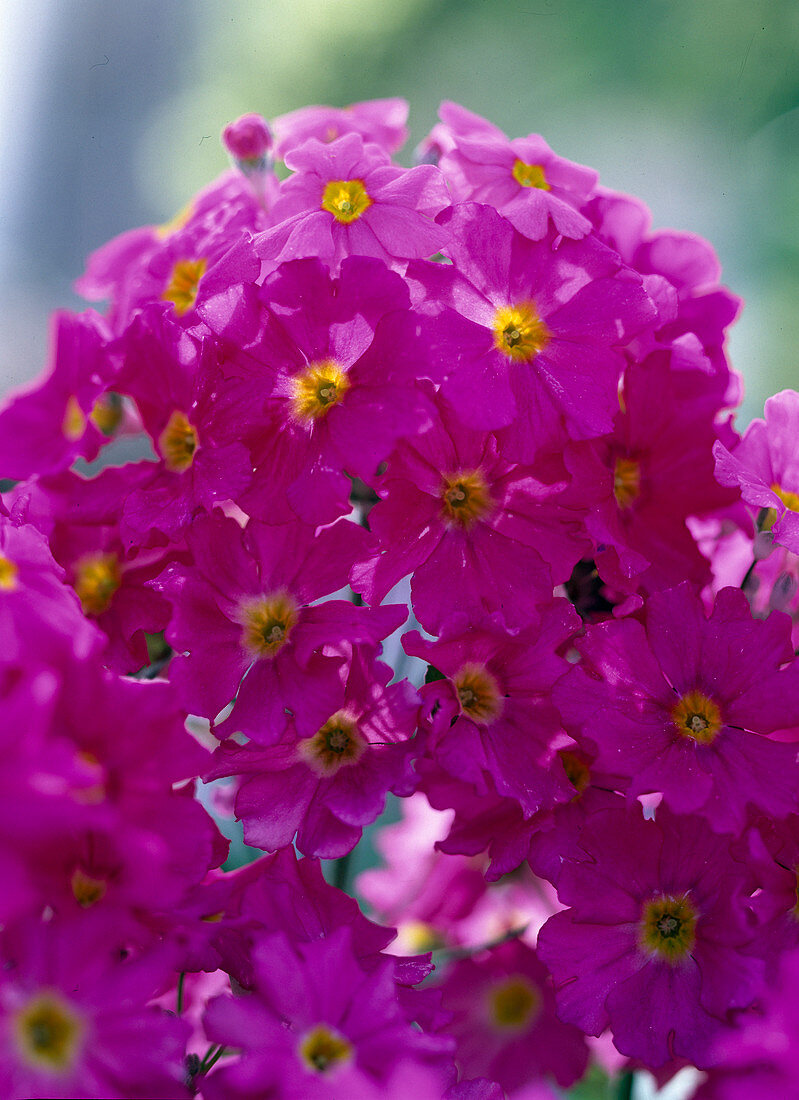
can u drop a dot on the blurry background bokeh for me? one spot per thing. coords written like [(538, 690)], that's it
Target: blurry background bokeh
[(110, 114)]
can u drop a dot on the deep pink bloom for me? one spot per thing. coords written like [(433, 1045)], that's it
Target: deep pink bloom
[(496, 726), (317, 1024), (379, 120), (504, 1021), (56, 420), (246, 624), (764, 465), (327, 787), (479, 533), (682, 705), (328, 368), (76, 1021), (655, 944), (538, 328), (347, 199), (521, 178)]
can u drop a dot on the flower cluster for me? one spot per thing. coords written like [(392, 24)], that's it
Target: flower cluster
[(481, 393)]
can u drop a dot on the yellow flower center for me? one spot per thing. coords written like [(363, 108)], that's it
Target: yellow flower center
[(107, 412), (8, 574), (87, 890), (323, 1049), (698, 717), (465, 498), (668, 927), (478, 692), (48, 1032), (320, 386), (626, 481), (181, 289), (267, 623), (97, 577), (338, 744), (789, 499), (530, 175), (178, 442), (346, 200), (514, 1004), (74, 423), (519, 332), (577, 771)]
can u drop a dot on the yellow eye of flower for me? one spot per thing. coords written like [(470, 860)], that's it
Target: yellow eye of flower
[(74, 423), (178, 442), (626, 481), (48, 1032), (8, 574), (698, 717), (514, 1004), (478, 692), (318, 388), (530, 175), (97, 578), (322, 1049), (465, 498), (668, 927), (181, 289), (267, 623), (346, 200), (519, 332), (338, 744)]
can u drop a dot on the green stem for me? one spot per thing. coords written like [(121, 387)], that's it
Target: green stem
[(341, 872), (181, 980), (626, 1082), (211, 1057)]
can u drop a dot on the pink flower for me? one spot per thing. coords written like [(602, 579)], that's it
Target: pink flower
[(656, 942), (522, 179), (764, 466), (347, 199), (379, 120)]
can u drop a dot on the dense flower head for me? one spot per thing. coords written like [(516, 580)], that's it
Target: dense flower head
[(486, 390)]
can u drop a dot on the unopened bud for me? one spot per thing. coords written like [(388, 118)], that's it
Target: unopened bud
[(248, 140)]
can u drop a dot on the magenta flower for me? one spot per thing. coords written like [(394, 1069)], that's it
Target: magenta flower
[(765, 467), (379, 120), (247, 138), (521, 178), (496, 726), (347, 199), (318, 1024), (247, 606), (64, 415), (682, 705), (504, 1022), (193, 424), (325, 788), (76, 1022), (538, 328), (471, 526), (656, 944), (328, 367)]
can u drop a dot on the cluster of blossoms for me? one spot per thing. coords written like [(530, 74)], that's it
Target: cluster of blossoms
[(481, 394)]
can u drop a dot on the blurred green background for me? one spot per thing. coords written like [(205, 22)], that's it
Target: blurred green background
[(111, 116)]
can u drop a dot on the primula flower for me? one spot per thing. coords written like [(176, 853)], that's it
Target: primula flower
[(521, 178), (66, 415), (764, 465), (316, 1025), (327, 787), (656, 944), (329, 367), (495, 725), (76, 1022), (504, 1021), (471, 526), (379, 120), (347, 198), (192, 422), (247, 606), (682, 705), (524, 332)]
